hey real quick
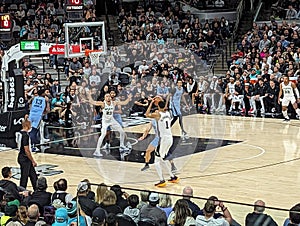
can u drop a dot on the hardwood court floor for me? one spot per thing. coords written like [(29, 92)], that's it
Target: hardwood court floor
[(264, 165)]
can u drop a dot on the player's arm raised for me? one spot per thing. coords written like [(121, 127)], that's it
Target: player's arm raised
[(167, 101), (150, 114), (93, 102)]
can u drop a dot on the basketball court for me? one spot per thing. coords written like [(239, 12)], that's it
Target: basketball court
[(238, 159), (241, 160)]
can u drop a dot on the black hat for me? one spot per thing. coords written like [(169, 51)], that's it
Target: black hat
[(98, 215)]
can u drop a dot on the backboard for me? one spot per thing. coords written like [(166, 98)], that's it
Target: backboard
[(84, 35)]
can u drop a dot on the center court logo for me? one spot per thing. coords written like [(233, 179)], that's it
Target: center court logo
[(43, 170)]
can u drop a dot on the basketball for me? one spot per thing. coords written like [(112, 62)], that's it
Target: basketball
[(157, 99)]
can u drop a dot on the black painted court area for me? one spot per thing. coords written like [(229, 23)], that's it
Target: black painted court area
[(181, 147)]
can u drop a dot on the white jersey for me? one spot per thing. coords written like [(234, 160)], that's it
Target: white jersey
[(107, 111), (287, 90), (164, 124), (231, 88)]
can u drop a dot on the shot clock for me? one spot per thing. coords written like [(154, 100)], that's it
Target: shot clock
[(5, 22), (74, 5)]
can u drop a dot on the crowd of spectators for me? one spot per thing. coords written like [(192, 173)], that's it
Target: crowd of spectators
[(288, 10), (111, 206), (266, 53), (159, 49)]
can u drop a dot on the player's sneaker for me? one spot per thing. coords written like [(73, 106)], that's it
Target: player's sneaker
[(286, 120), (128, 145), (174, 179), (160, 184), (146, 167), (124, 150), (252, 112), (97, 154), (35, 149), (106, 146)]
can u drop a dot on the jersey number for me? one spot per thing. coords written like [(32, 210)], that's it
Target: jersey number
[(167, 125)]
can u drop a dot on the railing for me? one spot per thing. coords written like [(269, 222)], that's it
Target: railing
[(239, 11), (257, 11)]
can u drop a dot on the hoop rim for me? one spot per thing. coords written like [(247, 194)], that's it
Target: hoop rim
[(88, 51)]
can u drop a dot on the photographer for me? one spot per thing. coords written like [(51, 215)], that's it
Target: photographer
[(215, 210)]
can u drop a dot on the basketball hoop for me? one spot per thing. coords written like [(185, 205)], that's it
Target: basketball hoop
[(94, 55)]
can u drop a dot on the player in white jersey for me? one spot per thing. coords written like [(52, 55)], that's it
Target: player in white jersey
[(163, 119), (229, 92), (108, 107), (289, 90)]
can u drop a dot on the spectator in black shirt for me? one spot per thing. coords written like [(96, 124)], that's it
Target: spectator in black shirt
[(258, 96), (258, 217), (187, 194), (8, 185), (121, 196), (87, 205), (271, 99), (40, 197)]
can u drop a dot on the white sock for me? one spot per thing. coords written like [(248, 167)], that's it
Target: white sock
[(285, 114), (298, 112), (158, 168)]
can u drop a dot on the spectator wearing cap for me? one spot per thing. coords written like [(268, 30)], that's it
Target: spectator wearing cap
[(40, 196), (91, 194), (73, 212), (208, 217), (86, 204), (10, 211), (61, 217), (99, 217), (151, 211), (121, 196), (258, 217)]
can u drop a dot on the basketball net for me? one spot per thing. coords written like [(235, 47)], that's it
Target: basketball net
[(94, 55)]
